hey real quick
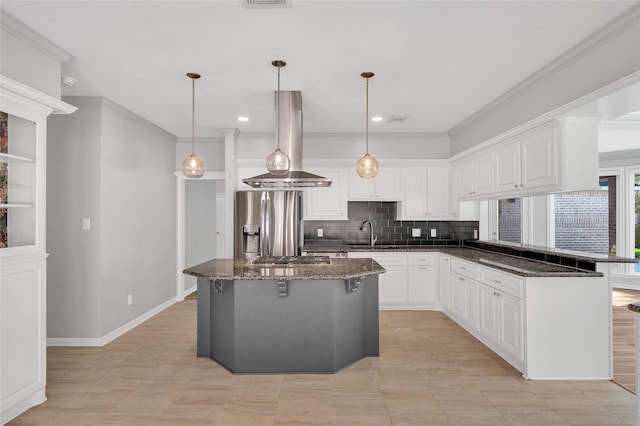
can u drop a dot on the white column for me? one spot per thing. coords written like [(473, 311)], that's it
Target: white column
[(230, 185)]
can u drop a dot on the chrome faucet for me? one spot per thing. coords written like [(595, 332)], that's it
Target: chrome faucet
[(372, 238)]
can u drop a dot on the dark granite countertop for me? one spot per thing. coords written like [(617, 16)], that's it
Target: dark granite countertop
[(338, 269), (512, 264)]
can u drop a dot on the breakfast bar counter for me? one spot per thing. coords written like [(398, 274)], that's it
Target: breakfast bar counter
[(271, 318)]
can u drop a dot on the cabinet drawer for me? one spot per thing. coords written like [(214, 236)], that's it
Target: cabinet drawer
[(467, 269), (421, 259), (506, 282), (382, 258)]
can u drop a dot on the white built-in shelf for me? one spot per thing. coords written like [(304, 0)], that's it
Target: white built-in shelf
[(15, 205), (10, 158)]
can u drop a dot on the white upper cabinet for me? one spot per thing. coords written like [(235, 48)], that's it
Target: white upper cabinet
[(327, 203), (559, 156), (426, 194), (475, 177), (384, 187)]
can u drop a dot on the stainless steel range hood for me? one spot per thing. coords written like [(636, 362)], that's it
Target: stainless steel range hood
[(290, 116)]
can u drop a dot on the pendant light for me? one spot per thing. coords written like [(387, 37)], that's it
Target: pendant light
[(367, 166), (192, 166), (278, 162)]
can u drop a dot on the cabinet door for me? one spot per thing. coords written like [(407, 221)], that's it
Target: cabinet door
[(438, 204), (387, 184), (465, 180), (510, 321), (392, 285), (483, 175), (414, 194), (489, 313), (360, 188), (471, 302), (444, 282), (539, 160), (506, 163), (327, 203), (457, 295), (422, 283)]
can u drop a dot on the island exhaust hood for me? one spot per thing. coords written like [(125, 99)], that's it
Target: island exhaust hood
[(290, 116)]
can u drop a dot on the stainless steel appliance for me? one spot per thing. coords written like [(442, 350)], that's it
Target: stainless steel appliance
[(268, 223)]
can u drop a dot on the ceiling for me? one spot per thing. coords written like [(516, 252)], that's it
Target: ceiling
[(436, 62)]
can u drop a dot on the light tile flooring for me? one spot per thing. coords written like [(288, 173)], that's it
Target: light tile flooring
[(430, 372)]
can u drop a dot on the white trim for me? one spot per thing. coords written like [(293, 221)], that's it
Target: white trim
[(349, 162), (32, 38), (35, 99), (110, 337)]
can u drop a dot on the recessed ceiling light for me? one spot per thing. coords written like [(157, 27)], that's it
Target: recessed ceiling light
[(242, 118), (376, 118)]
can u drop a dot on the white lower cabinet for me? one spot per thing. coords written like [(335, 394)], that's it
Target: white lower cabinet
[(444, 282), (501, 321), (410, 280)]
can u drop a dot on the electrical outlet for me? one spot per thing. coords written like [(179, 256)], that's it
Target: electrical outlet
[(433, 233), (130, 300), (415, 232), (86, 224), (320, 233), (475, 234)]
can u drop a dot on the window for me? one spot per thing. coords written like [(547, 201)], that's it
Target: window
[(510, 220)]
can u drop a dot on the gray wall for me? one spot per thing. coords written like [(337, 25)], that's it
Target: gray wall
[(112, 166), (575, 75), (29, 58)]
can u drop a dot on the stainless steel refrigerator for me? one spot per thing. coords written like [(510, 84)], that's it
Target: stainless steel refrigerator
[(267, 223)]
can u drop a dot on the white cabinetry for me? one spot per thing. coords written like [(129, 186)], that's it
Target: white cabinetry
[(561, 155), (464, 291), (444, 282), (426, 194), (23, 280), (475, 177), (421, 274), (527, 164), (327, 203), (384, 187), (410, 280)]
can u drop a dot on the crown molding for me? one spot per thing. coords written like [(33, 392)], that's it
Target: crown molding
[(21, 31), (613, 29), (12, 89)]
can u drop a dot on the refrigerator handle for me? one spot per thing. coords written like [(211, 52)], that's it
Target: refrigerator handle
[(265, 217)]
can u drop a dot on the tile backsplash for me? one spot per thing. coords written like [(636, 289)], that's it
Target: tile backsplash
[(385, 226)]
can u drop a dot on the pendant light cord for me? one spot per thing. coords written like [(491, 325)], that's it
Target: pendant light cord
[(367, 117), (278, 111), (193, 116)]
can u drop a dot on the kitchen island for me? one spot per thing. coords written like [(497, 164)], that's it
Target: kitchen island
[(267, 318)]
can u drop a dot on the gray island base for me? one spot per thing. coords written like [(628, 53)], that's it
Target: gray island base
[(292, 325)]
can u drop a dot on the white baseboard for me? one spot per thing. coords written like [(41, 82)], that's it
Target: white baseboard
[(109, 337)]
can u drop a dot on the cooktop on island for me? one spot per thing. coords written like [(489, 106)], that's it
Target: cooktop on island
[(292, 260)]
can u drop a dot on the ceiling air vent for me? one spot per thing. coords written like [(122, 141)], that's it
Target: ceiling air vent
[(398, 119), (266, 3)]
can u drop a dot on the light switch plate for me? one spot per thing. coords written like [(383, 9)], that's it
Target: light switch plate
[(320, 232), (475, 234), (433, 233), (86, 224), (415, 232)]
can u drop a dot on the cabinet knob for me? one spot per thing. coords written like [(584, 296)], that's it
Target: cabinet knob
[(516, 185), (498, 281)]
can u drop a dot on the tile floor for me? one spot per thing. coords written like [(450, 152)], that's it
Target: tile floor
[(624, 344), (430, 372)]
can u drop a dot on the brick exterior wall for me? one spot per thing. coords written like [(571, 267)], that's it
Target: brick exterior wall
[(582, 221)]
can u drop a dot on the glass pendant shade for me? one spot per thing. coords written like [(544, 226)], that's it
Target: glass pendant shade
[(278, 163), (367, 166), (193, 167)]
